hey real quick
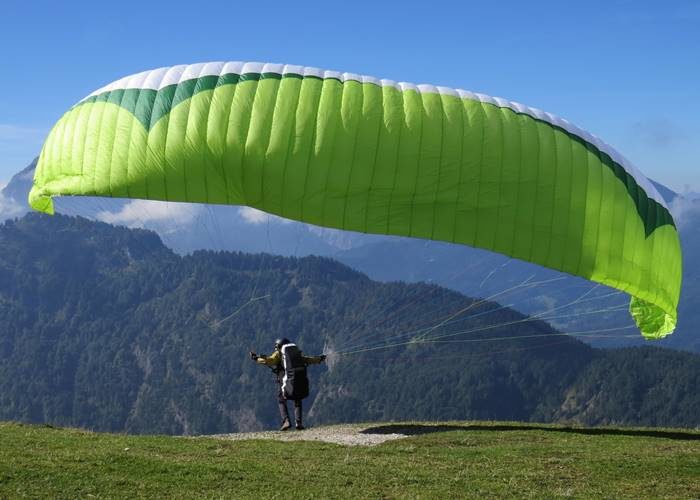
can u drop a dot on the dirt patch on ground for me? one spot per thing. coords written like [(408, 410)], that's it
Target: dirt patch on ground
[(349, 435), (373, 434)]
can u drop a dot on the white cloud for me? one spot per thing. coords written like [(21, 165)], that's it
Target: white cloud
[(255, 216), (139, 213), (8, 206), (338, 238), (684, 210)]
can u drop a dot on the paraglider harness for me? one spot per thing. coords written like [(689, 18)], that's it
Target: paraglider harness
[(291, 374)]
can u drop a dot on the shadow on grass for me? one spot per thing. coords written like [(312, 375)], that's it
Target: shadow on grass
[(418, 429)]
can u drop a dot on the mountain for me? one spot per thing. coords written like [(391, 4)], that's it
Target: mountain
[(20, 184), (13, 196), (667, 194), (571, 303), (104, 327)]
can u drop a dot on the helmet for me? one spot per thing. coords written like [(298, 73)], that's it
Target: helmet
[(280, 342)]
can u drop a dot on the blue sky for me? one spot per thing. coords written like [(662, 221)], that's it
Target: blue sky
[(627, 71)]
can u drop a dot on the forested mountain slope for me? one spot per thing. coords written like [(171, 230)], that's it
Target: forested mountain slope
[(104, 327)]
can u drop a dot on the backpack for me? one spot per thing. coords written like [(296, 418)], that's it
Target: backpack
[(295, 384)]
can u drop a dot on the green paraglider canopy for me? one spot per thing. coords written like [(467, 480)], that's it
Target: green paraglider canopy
[(357, 153)]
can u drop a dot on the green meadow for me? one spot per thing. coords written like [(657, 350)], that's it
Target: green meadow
[(470, 459)]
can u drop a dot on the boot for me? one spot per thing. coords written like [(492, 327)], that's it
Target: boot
[(285, 425)]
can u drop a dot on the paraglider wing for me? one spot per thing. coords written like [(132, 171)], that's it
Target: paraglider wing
[(357, 153)]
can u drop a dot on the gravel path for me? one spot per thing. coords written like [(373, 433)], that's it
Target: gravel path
[(377, 433), (349, 435)]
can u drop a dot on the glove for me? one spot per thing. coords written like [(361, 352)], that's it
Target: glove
[(323, 357), (253, 356)]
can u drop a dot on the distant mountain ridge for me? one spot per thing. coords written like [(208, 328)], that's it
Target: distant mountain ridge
[(20, 184), (668, 194)]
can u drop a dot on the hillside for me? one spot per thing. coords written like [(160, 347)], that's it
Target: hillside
[(105, 328), (459, 459)]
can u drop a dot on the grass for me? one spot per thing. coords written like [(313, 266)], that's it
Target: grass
[(447, 461)]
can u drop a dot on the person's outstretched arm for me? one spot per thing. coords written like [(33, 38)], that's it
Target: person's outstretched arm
[(271, 360), (314, 360)]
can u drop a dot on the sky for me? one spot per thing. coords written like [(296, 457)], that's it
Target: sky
[(626, 71)]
